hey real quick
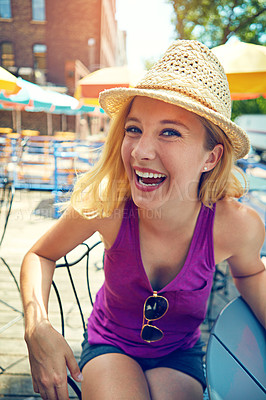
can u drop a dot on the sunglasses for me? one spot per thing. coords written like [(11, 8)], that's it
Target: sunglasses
[(155, 307)]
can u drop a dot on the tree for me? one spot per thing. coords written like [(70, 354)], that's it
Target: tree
[(213, 22)]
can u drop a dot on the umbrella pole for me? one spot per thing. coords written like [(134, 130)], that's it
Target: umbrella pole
[(49, 124), (14, 124), (18, 121), (77, 125), (63, 122)]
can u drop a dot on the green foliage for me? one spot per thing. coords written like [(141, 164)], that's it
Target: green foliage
[(213, 22), (252, 106), (149, 63)]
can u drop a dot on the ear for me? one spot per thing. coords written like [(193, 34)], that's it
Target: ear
[(213, 158)]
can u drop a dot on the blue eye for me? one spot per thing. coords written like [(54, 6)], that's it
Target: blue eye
[(132, 130), (171, 133)]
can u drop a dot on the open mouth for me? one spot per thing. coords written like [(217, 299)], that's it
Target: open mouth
[(149, 179)]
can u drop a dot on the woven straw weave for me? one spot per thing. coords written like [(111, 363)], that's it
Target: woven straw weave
[(188, 75), (196, 74)]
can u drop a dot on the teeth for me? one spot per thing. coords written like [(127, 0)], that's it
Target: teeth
[(148, 184), (149, 175)]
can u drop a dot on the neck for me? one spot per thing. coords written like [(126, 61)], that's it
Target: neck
[(176, 218)]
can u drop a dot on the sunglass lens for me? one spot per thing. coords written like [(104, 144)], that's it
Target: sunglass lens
[(151, 333), (155, 307)]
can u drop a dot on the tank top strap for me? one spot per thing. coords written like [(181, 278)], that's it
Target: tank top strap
[(128, 228), (203, 234)]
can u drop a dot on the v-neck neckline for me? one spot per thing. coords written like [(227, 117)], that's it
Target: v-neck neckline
[(186, 262)]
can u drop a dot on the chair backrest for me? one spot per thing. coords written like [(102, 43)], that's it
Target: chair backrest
[(74, 294), (7, 192), (79, 258), (236, 355), (15, 314), (70, 160)]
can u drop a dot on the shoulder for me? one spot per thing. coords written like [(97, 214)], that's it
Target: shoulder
[(83, 226), (109, 227), (72, 229), (237, 227), (242, 220)]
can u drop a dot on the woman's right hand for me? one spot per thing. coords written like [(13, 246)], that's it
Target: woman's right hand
[(49, 355)]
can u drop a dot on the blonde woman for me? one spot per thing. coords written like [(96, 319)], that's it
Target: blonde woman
[(163, 197)]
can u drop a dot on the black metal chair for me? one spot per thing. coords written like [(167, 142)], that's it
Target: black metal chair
[(70, 261), (7, 192), (220, 288), (6, 200)]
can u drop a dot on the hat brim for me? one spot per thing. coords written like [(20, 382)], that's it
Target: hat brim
[(111, 101)]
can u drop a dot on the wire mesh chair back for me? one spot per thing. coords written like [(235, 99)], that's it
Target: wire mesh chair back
[(68, 263), (7, 192), (15, 314), (220, 287)]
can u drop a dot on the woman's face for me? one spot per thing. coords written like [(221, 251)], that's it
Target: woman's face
[(163, 153)]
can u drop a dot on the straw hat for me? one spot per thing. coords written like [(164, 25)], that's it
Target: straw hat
[(190, 76)]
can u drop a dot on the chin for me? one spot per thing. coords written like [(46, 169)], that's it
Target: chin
[(148, 203)]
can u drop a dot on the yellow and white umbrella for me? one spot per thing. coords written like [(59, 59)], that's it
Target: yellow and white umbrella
[(245, 67), (90, 86), (8, 82)]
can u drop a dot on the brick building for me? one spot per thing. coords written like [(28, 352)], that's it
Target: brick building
[(58, 41)]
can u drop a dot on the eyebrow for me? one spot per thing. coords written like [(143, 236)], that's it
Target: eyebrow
[(174, 122), (132, 119), (163, 122)]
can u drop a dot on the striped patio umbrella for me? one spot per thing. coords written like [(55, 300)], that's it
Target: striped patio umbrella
[(90, 86), (8, 82)]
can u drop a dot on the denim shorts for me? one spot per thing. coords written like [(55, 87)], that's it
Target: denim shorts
[(188, 361)]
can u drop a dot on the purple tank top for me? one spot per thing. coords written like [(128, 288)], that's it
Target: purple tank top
[(117, 314)]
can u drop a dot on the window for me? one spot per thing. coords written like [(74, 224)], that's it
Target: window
[(38, 10), (5, 9), (7, 55), (39, 56)]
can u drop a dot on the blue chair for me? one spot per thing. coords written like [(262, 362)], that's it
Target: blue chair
[(236, 355)]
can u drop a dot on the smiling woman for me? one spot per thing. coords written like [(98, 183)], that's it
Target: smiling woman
[(164, 153), (163, 198)]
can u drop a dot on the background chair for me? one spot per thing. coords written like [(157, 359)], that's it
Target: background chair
[(74, 310), (11, 314), (236, 355), (7, 192), (220, 288)]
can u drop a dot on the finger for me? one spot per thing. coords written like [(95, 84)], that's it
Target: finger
[(35, 386), (48, 394), (62, 392), (73, 367), (43, 394), (61, 387)]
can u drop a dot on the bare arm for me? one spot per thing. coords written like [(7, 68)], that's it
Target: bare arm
[(48, 351), (248, 270)]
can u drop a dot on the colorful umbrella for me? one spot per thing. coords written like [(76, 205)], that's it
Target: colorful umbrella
[(245, 67), (30, 96), (90, 86), (34, 98), (8, 82)]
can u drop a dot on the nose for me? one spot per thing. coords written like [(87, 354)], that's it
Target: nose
[(145, 148)]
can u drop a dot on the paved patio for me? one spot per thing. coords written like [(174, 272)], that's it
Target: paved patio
[(31, 217)]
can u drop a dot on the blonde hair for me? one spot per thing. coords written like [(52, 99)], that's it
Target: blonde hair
[(221, 181), (102, 189)]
